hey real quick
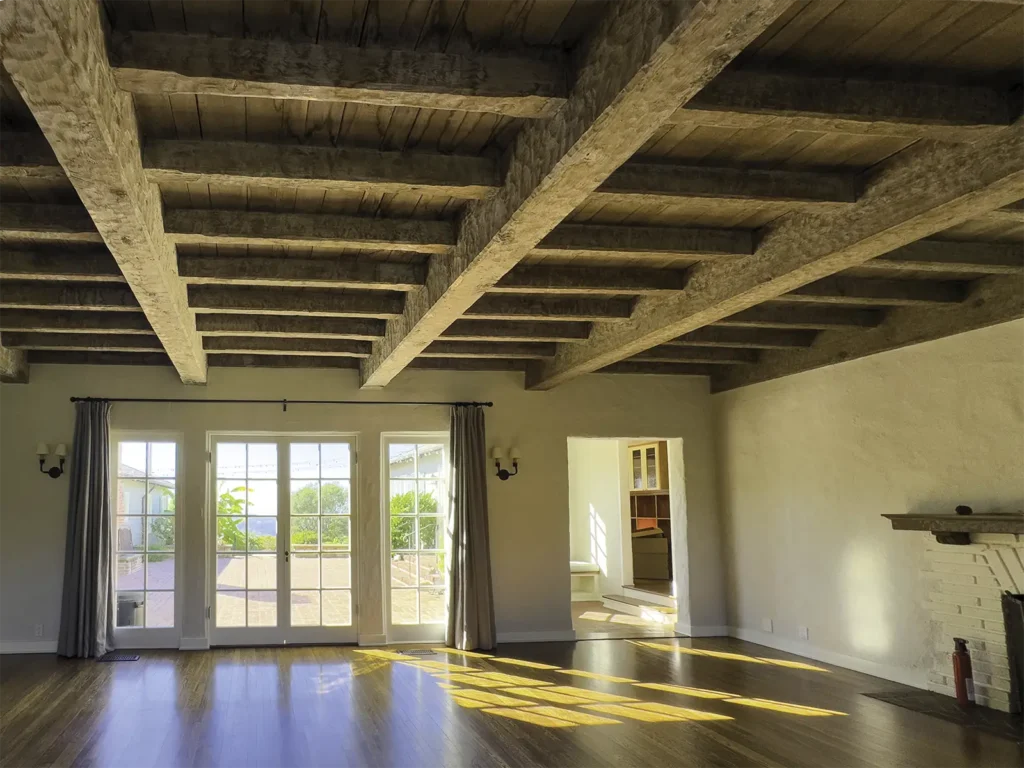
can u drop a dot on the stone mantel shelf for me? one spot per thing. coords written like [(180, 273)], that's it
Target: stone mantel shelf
[(957, 529)]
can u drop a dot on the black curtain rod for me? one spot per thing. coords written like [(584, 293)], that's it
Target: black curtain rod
[(284, 402)]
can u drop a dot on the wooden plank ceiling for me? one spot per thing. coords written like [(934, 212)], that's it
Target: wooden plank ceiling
[(503, 184)]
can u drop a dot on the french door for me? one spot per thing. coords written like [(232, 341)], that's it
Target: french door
[(281, 524), (416, 541)]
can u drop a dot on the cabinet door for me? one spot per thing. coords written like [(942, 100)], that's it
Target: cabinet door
[(638, 470), (651, 466)]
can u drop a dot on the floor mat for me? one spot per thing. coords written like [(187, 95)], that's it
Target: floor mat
[(118, 656), (990, 721)]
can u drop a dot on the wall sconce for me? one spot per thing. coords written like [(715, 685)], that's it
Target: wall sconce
[(498, 454), (61, 452)]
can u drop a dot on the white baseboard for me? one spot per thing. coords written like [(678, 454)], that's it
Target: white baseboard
[(691, 631), (555, 636), (913, 678), (373, 640), (38, 646), (194, 644)]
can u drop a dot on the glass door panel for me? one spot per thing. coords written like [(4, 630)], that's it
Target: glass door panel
[(651, 455)]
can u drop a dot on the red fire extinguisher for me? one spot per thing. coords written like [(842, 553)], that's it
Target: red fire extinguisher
[(963, 677)]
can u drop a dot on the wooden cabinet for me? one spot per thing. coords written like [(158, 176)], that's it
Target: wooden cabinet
[(649, 465)]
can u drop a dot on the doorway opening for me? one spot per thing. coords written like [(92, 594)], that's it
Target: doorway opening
[(625, 512)]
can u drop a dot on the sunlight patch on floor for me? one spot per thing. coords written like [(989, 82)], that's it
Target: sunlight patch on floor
[(683, 713), (501, 677), (521, 663), (478, 680), (700, 693), (546, 694), (633, 714), (469, 654), (789, 709), (596, 676), (586, 693), (530, 717), (574, 716)]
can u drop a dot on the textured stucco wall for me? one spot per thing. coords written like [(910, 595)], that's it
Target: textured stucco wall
[(528, 513), (808, 463)]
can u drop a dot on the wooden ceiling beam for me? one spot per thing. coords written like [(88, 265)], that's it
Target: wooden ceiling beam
[(517, 86), (589, 280), (28, 156), (92, 265), (271, 345), (486, 349), (498, 307), (878, 292), (68, 296), (670, 184), (186, 226), (515, 330), (295, 301), (332, 168), (615, 240), (467, 364), (82, 342), (1008, 214), (660, 369), (95, 322), (47, 223), (287, 327), (789, 316), (55, 52), (67, 357), (342, 272), (642, 61), (922, 190), (792, 102), (671, 353), (13, 366), (992, 300), (218, 360), (931, 255), (747, 338)]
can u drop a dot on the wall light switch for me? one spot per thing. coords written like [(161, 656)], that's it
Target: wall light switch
[(766, 625), (805, 633)]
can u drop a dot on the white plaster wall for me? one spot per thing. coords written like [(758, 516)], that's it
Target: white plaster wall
[(808, 463), (595, 508), (528, 514)]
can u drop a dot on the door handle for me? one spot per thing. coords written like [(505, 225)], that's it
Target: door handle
[(286, 553)]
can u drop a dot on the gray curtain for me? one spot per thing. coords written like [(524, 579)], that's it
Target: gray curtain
[(470, 597), (87, 610)]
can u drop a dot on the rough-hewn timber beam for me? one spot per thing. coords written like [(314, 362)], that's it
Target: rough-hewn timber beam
[(13, 366), (669, 184), (198, 227), (787, 102), (661, 369), (921, 191), (746, 338), (288, 327), (36, 321), (515, 330), (468, 364), (669, 353), (283, 301), (598, 240), (67, 357), (147, 62), (55, 53), (589, 280), (28, 156), (486, 349), (787, 316), (282, 361), (68, 296), (57, 223), (878, 292), (279, 346), (1008, 214), (931, 255), (643, 60), (992, 300), (79, 265), (332, 168), (81, 342), (497, 307), (341, 272)]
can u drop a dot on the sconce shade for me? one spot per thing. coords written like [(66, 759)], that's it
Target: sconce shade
[(497, 453), (514, 454), (61, 451), (42, 449)]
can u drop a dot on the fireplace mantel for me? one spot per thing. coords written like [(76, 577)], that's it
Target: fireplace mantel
[(957, 529)]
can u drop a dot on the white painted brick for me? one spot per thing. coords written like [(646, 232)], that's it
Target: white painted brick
[(990, 605), (946, 690), (950, 556), (983, 613), (975, 635), (987, 581), (942, 609), (972, 547), (960, 621), (958, 600), (998, 539), (964, 590), (961, 568), (995, 625), (952, 578)]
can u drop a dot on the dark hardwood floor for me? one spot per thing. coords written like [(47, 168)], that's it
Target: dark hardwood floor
[(331, 706)]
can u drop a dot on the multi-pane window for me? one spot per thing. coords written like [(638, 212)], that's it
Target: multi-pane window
[(417, 528), (320, 542), (246, 535), (144, 540)]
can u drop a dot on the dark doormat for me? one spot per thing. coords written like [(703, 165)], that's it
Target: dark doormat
[(118, 656), (990, 721)]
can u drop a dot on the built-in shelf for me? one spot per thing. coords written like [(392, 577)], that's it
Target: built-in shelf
[(957, 529)]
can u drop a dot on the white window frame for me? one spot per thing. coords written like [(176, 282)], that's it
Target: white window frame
[(409, 633), (151, 637), (283, 633)]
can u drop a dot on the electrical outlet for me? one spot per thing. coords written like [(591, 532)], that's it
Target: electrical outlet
[(766, 625), (805, 633), (39, 630)]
